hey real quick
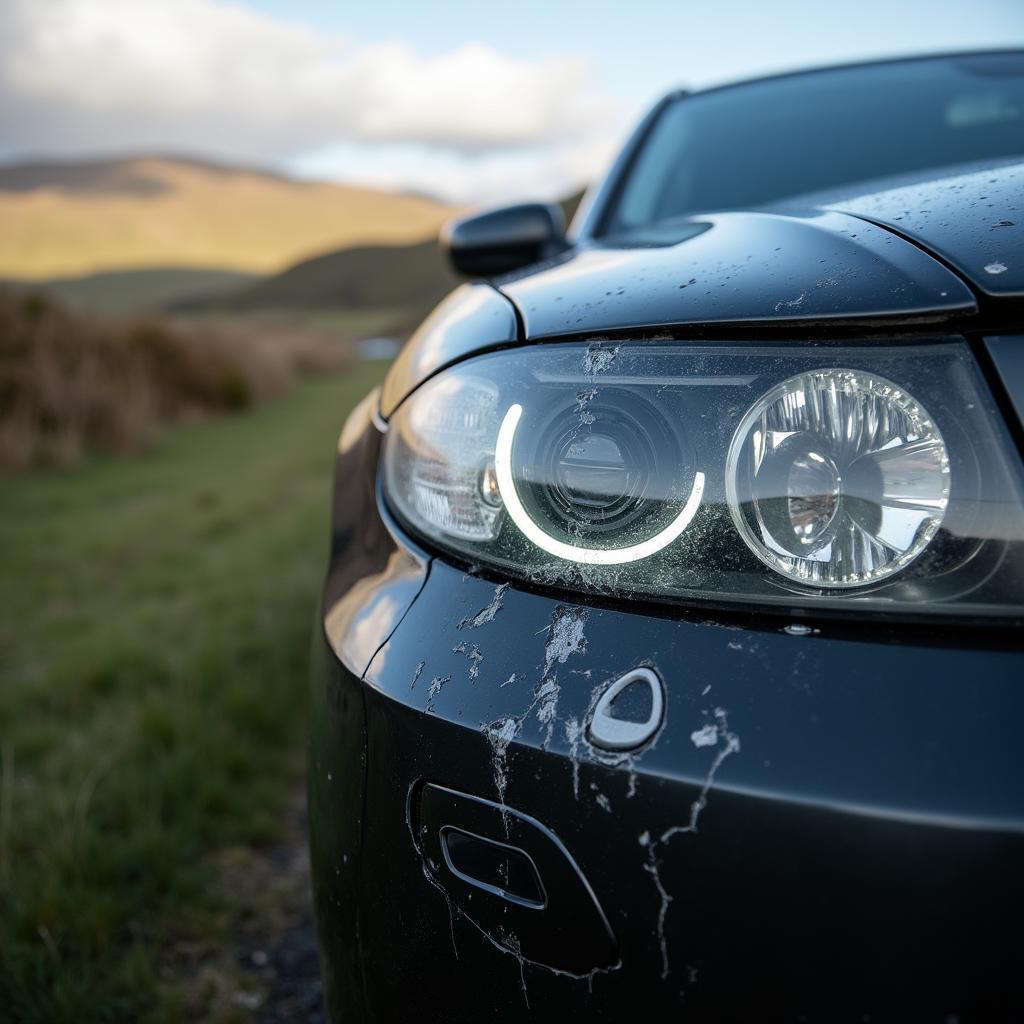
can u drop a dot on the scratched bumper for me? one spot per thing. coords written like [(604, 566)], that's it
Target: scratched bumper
[(857, 841)]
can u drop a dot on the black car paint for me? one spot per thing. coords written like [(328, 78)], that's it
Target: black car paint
[(848, 849), (1007, 355), (475, 316), (862, 821), (740, 268), (503, 239), (855, 271), (972, 218)]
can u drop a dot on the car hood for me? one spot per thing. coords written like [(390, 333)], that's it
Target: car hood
[(973, 220), (917, 250), (740, 268)]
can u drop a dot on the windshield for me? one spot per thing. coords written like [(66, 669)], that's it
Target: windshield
[(749, 145)]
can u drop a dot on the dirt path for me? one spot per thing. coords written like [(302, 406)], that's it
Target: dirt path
[(264, 967), (287, 964)]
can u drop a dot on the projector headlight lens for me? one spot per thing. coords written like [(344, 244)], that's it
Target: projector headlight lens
[(876, 476), (837, 478), (601, 467)]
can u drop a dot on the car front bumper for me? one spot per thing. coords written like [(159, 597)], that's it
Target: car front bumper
[(828, 826)]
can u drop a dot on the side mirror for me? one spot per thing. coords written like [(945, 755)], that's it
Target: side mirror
[(503, 239)]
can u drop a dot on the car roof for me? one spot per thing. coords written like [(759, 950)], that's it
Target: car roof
[(814, 69)]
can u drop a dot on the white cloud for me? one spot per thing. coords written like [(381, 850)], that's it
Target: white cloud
[(218, 78), (542, 172)]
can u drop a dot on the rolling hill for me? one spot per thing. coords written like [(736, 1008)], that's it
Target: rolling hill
[(136, 291), (63, 220), (407, 280)]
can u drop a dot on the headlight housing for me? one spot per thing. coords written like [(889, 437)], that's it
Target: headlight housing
[(790, 475), (837, 478)]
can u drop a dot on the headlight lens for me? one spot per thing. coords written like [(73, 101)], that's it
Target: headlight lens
[(837, 478), (442, 464), (870, 475)]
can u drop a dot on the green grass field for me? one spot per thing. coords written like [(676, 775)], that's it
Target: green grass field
[(153, 646)]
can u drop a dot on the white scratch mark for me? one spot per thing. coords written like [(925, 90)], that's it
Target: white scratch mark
[(471, 651), (436, 684), (651, 867), (729, 747), (631, 785), (565, 636), (705, 737), (572, 736), (417, 674), (500, 734), (599, 358), (709, 735), (792, 304), (547, 711), (487, 614), (515, 947)]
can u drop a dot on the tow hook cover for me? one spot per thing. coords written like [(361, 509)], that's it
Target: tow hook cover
[(637, 717), (513, 878)]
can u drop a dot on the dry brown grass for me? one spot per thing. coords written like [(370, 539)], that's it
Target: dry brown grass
[(70, 383)]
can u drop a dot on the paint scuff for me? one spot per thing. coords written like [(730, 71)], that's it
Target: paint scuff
[(547, 707), (471, 651), (436, 685), (705, 737), (599, 358), (487, 613), (792, 303), (573, 731), (713, 734), (565, 636), (417, 674), (499, 735)]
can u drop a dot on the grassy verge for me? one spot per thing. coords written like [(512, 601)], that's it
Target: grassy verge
[(153, 647), (72, 383)]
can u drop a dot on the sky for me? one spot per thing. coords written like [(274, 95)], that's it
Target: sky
[(472, 102)]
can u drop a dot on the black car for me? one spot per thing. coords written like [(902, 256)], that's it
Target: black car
[(670, 653)]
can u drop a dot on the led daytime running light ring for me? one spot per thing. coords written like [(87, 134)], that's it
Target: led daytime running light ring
[(570, 552)]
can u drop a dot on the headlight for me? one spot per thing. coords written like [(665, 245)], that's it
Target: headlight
[(443, 464), (862, 475), (837, 478)]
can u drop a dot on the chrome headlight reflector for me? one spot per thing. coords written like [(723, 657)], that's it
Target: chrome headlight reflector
[(837, 478), (879, 475), (446, 446)]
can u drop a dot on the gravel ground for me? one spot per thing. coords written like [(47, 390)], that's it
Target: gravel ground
[(267, 971), (287, 965)]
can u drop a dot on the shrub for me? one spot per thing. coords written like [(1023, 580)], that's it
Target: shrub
[(70, 382)]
